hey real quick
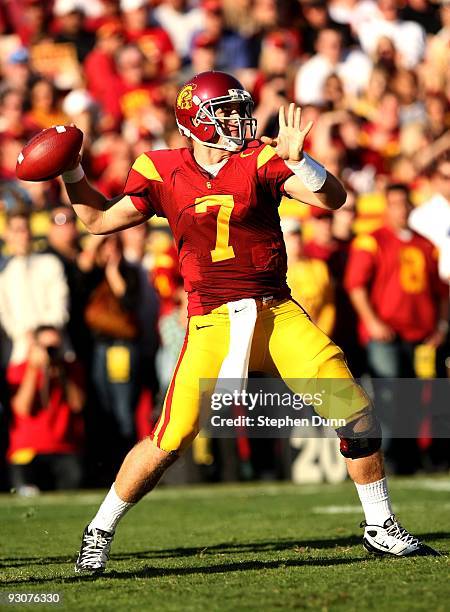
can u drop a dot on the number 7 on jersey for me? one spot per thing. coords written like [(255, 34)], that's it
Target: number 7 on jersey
[(223, 249)]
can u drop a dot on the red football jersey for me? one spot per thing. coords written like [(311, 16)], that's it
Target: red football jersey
[(402, 279), (154, 42), (226, 228)]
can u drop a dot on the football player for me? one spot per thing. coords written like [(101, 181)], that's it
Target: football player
[(220, 197)]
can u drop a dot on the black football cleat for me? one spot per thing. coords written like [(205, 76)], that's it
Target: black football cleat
[(94, 552)]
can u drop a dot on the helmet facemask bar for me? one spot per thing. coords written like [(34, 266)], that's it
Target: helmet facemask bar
[(206, 115)]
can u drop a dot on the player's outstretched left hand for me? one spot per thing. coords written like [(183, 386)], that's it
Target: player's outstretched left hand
[(291, 137)]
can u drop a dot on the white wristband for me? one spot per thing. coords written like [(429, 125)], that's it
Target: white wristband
[(312, 174), (73, 176)]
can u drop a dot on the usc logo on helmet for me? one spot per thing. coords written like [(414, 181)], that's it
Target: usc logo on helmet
[(184, 98)]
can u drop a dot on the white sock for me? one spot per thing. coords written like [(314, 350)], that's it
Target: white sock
[(375, 501), (110, 512)]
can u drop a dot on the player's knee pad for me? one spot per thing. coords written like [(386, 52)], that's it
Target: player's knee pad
[(361, 437)]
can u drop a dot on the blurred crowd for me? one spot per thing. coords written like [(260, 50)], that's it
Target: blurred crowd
[(92, 326)]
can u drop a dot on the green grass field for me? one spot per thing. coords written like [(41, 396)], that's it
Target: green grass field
[(230, 547)]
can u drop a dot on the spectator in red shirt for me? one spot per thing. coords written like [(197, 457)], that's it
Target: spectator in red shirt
[(101, 61), (46, 429), (30, 19), (392, 277), (151, 38)]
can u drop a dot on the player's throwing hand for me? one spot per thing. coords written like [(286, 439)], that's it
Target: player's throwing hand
[(291, 137)]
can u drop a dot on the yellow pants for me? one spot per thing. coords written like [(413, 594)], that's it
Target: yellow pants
[(285, 344)]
